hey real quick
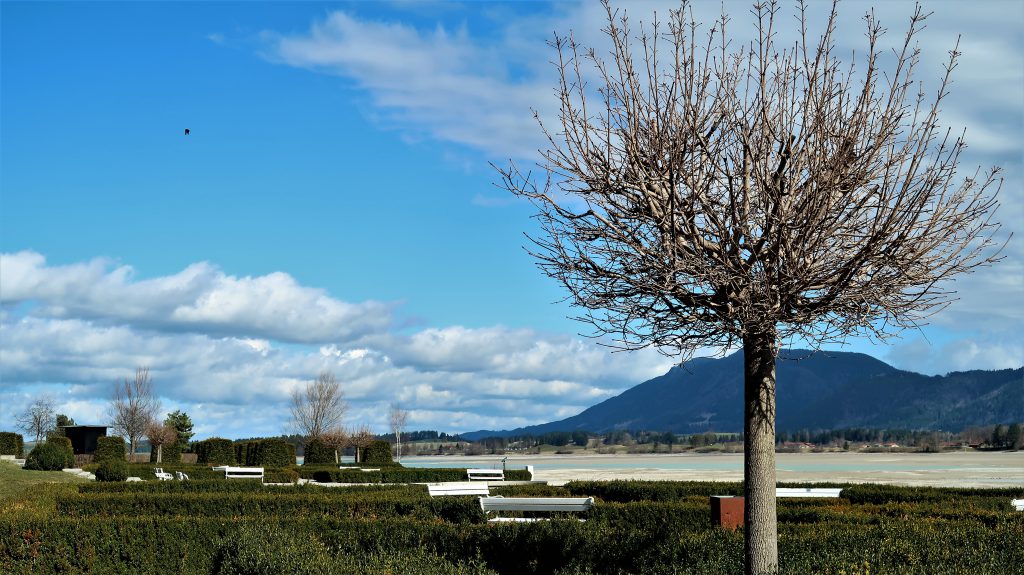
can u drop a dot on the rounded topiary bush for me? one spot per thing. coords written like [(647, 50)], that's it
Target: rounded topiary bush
[(49, 456), (11, 444), (112, 470), (378, 453), (64, 443), (109, 448), (317, 452)]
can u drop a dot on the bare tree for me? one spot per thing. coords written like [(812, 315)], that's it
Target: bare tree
[(705, 193), (133, 407), (398, 418), (37, 420), (159, 435), (337, 439), (319, 406), (360, 438)]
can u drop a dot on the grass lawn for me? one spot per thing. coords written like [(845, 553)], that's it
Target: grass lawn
[(16, 484)]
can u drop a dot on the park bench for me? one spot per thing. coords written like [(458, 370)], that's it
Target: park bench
[(485, 474), (181, 476), (1018, 504), (542, 504), (243, 473), (457, 488), (161, 475), (807, 491)]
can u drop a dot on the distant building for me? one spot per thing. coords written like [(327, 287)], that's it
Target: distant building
[(83, 437)]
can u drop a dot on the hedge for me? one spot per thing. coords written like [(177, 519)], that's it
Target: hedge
[(378, 453), (215, 451), (272, 453), (171, 453), (317, 452), (12, 444), (396, 474), (109, 447), (204, 545)]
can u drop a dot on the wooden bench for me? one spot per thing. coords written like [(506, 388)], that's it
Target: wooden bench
[(543, 504), (1018, 504), (807, 491), (243, 473), (457, 488), (485, 474)]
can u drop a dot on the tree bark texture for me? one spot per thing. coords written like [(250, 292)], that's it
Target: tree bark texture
[(760, 532)]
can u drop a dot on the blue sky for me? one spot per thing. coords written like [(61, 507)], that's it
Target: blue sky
[(333, 207)]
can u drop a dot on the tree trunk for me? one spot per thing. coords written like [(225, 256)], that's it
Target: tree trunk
[(160, 453), (761, 531)]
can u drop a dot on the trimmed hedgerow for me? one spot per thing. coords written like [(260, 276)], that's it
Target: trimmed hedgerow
[(12, 444), (280, 476), (317, 452), (272, 453), (195, 472), (48, 456), (215, 451), (109, 447), (378, 453), (395, 474), (171, 454)]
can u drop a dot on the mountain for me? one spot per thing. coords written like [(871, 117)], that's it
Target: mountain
[(815, 390)]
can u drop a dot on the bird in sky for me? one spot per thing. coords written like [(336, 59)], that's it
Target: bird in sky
[(186, 131)]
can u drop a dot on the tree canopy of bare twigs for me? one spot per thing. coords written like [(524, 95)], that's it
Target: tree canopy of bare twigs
[(37, 420), (319, 406), (360, 438), (133, 407), (159, 435), (398, 417), (337, 439), (705, 193)]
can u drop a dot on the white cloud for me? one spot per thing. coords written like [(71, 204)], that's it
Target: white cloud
[(441, 82), (200, 298), (74, 330)]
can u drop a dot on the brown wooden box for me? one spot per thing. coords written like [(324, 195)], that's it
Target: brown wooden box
[(726, 511)]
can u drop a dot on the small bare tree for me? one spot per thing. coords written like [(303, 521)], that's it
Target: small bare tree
[(360, 438), (319, 406), (398, 418), (37, 420), (704, 193), (133, 407), (159, 435), (337, 439)]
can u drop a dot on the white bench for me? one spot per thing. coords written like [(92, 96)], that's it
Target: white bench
[(485, 474), (807, 491), (161, 475), (1018, 504), (243, 473), (181, 476), (544, 504), (457, 488)]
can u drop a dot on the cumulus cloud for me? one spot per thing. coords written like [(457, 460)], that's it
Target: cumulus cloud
[(74, 330), (201, 298)]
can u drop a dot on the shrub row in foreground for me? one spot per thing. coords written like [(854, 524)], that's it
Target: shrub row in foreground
[(195, 546)]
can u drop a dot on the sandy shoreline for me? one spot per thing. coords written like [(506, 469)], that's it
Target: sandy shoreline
[(956, 469)]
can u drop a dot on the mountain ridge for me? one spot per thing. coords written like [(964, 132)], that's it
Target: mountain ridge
[(815, 390)]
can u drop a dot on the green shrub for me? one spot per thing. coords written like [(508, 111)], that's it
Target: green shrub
[(395, 474), (171, 453), (317, 452), (280, 476), (112, 470), (48, 456), (109, 447), (65, 444), (273, 453), (215, 451), (378, 453), (12, 444)]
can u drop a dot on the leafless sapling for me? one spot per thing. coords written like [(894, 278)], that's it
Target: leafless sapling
[(133, 407)]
